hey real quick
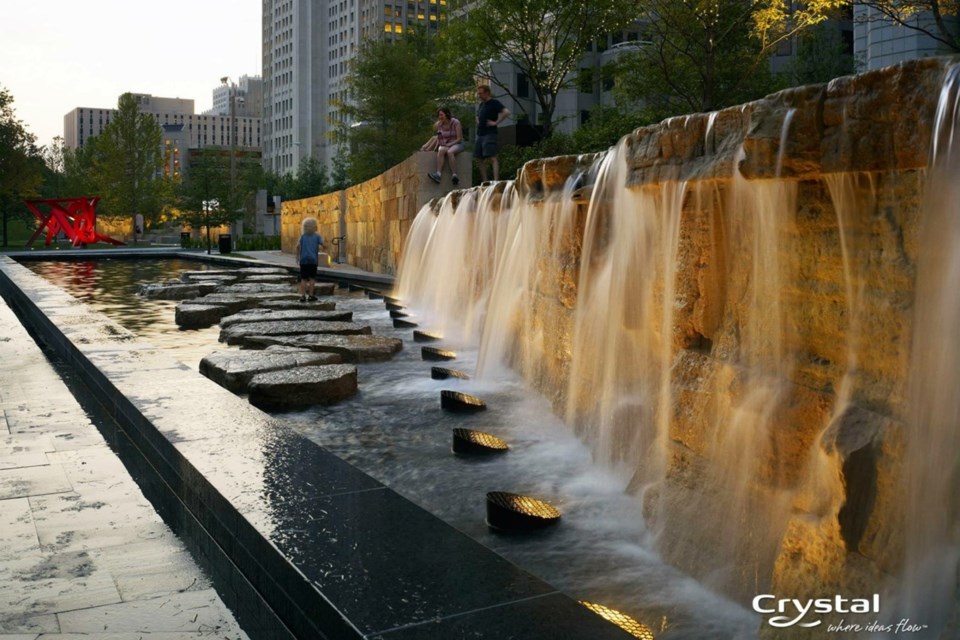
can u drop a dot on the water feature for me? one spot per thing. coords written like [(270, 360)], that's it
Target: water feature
[(756, 430)]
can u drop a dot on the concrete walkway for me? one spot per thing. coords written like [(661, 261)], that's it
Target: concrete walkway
[(82, 553)]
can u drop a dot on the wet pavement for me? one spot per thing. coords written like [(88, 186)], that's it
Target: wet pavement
[(82, 551), (298, 542)]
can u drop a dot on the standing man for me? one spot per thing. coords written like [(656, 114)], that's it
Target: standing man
[(490, 113)]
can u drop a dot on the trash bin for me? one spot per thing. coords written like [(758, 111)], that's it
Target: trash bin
[(184, 239), (224, 242)]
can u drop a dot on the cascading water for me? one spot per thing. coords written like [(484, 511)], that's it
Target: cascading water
[(931, 580), (738, 424)]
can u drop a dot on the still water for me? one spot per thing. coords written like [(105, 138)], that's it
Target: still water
[(395, 431)]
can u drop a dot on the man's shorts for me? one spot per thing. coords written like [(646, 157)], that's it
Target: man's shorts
[(308, 270), (485, 146)]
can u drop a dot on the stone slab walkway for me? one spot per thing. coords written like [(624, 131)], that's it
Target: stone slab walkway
[(82, 553)]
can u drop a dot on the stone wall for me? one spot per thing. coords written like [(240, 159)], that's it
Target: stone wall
[(375, 215), (836, 448)]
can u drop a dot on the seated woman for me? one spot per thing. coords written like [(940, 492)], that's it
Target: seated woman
[(449, 143)]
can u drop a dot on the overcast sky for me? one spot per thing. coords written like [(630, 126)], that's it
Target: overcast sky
[(56, 55)]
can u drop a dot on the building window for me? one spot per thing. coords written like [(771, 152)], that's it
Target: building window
[(523, 87)]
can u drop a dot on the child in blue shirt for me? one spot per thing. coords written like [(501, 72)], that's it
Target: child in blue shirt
[(308, 257)]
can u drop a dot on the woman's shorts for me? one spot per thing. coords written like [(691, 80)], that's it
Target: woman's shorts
[(308, 270), (485, 146), (455, 149)]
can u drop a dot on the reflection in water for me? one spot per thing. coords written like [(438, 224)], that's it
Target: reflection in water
[(622, 620), (395, 430), (110, 286)]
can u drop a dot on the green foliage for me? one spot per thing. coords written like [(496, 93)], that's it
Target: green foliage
[(392, 109), (602, 130), (205, 196), (258, 242), (311, 179), (544, 39), (126, 165), (21, 163), (709, 54), (820, 57)]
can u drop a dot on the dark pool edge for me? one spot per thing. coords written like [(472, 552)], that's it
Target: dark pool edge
[(270, 595)]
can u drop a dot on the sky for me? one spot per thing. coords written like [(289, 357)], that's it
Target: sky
[(57, 55)]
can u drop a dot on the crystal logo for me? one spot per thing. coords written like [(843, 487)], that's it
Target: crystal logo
[(793, 612)]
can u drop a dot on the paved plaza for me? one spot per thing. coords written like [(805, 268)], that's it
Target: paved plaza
[(82, 552)]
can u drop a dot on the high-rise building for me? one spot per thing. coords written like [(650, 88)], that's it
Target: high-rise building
[(203, 130), (307, 49), (249, 98), (880, 42)]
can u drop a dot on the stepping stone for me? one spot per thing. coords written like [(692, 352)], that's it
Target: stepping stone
[(234, 370), (325, 289), (442, 373), (349, 348), (456, 402), (391, 300), (285, 315), (173, 291), (424, 336), (399, 314), (470, 441), (240, 301), (277, 278), (400, 323), (295, 304), (244, 288), (196, 316), (190, 276), (435, 354), (206, 276), (373, 294), (394, 307), (356, 287), (515, 512), (261, 271), (303, 386), (235, 334)]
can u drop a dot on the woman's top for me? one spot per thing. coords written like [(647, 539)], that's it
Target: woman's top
[(450, 134)]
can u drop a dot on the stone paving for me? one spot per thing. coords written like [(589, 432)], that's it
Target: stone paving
[(82, 553)]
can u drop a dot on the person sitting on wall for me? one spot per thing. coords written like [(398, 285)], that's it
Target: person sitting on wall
[(308, 257), (449, 142)]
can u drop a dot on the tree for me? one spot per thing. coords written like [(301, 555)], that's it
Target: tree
[(127, 164), (913, 14), (205, 196), (311, 179), (708, 54), (543, 39), (392, 109), (21, 165)]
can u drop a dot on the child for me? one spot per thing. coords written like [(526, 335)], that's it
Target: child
[(308, 257)]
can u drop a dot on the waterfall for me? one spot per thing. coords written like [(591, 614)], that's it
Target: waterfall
[(736, 349), (930, 582)]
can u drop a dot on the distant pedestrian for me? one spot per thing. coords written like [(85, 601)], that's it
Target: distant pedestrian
[(449, 144), (308, 257), (490, 113)]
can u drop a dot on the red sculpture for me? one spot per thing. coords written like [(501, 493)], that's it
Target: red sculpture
[(75, 217)]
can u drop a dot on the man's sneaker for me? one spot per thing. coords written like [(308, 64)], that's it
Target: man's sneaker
[(303, 298), (455, 179), (435, 177), (312, 298)]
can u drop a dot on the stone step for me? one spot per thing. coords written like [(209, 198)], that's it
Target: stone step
[(456, 402), (236, 333), (349, 348), (196, 316), (285, 315), (324, 305), (436, 355), (234, 370), (303, 386)]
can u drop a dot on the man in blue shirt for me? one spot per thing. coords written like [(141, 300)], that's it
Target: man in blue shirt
[(490, 113)]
